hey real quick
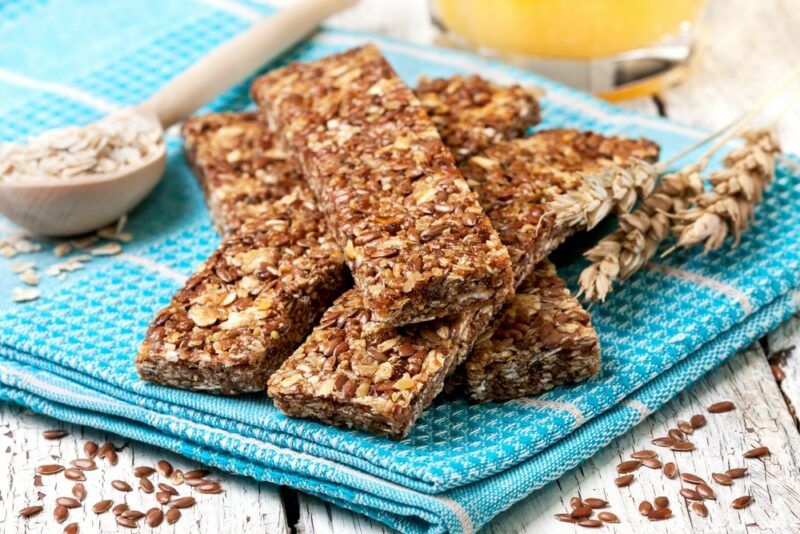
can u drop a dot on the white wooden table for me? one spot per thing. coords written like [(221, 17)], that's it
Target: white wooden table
[(751, 44)]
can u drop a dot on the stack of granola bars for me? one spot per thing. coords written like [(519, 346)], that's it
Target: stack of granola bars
[(378, 243)]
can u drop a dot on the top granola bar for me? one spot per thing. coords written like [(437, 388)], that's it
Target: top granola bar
[(414, 236)]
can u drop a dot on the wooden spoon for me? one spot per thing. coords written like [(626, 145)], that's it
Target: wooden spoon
[(80, 204)]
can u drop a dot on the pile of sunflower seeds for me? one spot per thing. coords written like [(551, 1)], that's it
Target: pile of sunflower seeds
[(120, 140)]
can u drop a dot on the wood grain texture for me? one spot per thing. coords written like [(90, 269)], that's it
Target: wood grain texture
[(245, 504), (784, 353), (759, 419)]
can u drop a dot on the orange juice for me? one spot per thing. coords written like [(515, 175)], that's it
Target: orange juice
[(576, 29)]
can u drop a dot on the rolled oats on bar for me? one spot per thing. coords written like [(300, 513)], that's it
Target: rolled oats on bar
[(543, 338), (414, 236)]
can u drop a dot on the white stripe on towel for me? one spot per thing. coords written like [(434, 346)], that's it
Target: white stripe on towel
[(555, 405), (726, 289), (66, 91)]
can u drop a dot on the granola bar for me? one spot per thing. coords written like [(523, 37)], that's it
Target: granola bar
[(473, 114), (374, 381), (414, 236), (249, 305), (244, 175), (514, 182), (542, 339), (238, 165)]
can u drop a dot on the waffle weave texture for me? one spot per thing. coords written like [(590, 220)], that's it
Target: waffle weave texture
[(70, 353)]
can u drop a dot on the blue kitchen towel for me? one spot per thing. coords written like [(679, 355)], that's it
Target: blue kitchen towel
[(70, 353)]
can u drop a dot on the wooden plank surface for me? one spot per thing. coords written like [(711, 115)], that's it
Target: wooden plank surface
[(248, 506), (750, 44)]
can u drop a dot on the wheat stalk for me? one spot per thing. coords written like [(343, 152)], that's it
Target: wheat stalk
[(735, 190)]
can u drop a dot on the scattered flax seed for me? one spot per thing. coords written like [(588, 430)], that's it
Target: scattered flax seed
[(105, 448), (670, 470), (154, 517), (581, 512), (186, 502), (685, 427), (74, 474), (112, 458), (721, 407), (676, 434), (652, 463), (49, 469), (68, 502), (575, 502), (741, 502), (682, 446), (30, 511), (196, 473), (84, 464), (690, 495), (590, 523), (628, 465), (692, 478), (645, 508), (164, 467), (778, 373), (706, 491), (699, 509), (640, 455), (736, 472), (79, 491), (125, 522), (121, 485), (758, 452), (721, 478), (623, 481), (72, 528), (608, 517), (663, 442), (145, 485), (24, 294), (90, 448), (60, 514), (166, 488), (163, 497), (697, 420), (660, 514), (102, 506), (177, 477), (210, 488), (172, 515), (54, 434), (661, 502), (143, 471), (118, 509), (566, 518), (132, 514), (595, 503)]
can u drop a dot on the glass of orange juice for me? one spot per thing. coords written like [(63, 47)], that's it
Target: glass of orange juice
[(615, 48)]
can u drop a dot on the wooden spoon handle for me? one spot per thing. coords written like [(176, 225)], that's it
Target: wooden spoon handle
[(234, 60)]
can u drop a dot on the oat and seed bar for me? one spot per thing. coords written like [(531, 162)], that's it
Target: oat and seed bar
[(514, 182), (374, 381), (415, 238), (238, 165), (472, 113), (542, 339), (249, 305), (244, 176)]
